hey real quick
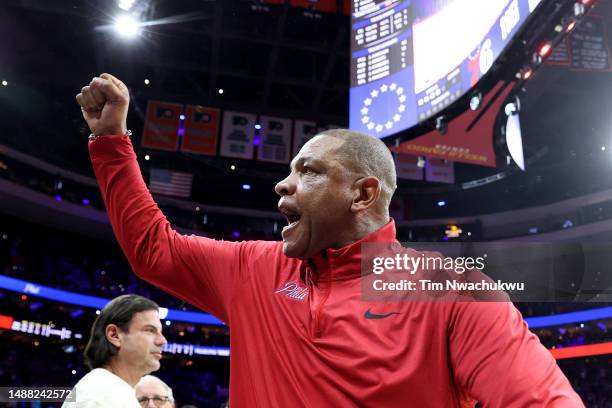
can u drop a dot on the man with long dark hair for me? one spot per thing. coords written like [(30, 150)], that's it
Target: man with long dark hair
[(124, 345)]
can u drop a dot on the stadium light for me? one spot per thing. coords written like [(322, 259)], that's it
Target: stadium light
[(441, 203), (545, 49), (246, 186), (526, 73), (146, 81), (4, 83), (127, 26), (475, 101), (125, 4), (220, 91), (570, 27)]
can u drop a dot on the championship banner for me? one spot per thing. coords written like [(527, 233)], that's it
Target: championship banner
[(201, 130), (560, 54), (440, 171), (304, 131), (275, 135), (469, 137), (589, 46), (237, 134), (161, 125), (406, 166)]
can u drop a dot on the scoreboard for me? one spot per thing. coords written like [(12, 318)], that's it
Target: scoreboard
[(410, 59)]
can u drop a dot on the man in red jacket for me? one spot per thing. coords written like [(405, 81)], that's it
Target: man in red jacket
[(302, 335)]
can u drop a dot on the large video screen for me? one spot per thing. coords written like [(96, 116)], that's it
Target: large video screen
[(410, 59)]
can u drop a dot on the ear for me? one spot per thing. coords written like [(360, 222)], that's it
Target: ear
[(112, 332), (366, 191)]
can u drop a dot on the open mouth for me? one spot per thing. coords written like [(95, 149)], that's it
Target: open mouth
[(293, 218)]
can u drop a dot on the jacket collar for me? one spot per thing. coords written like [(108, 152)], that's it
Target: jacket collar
[(345, 263)]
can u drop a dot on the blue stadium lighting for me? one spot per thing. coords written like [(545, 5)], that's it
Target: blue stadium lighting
[(58, 198), (236, 234), (182, 117), (246, 186), (85, 201), (257, 126), (168, 322), (441, 203), (21, 286), (567, 318)]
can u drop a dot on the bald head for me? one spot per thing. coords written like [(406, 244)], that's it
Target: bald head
[(151, 387), (367, 156)]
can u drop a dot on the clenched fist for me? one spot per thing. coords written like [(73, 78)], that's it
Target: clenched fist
[(104, 103)]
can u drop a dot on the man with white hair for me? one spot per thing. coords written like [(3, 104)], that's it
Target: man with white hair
[(151, 392)]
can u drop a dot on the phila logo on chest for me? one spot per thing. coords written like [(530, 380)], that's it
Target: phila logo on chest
[(293, 290)]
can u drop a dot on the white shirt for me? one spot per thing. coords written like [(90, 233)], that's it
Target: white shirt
[(102, 389)]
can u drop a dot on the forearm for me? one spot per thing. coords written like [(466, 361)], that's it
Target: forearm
[(140, 227)]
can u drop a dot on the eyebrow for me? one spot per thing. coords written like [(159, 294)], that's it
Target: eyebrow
[(147, 326), (303, 159)]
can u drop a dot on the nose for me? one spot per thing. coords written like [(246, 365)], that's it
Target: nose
[(161, 341), (285, 186)]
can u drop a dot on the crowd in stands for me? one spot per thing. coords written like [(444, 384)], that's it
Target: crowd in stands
[(236, 227)]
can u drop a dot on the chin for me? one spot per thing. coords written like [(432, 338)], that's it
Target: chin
[(290, 251)]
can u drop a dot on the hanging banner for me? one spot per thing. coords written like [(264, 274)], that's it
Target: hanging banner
[(589, 46), (469, 137), (560, 54), (304, 131), (237, 134), (201, 130), (440, 171), (275, 139), (406, 166), (161, 125)]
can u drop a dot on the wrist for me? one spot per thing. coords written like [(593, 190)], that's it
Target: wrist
[(96, 135)]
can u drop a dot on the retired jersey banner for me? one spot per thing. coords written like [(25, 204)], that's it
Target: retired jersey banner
[(201, 130), (237, 134), (304, 131), (440, 171), (275, 136), (407, 166), (589, 46), (469, 138), (161, 125)]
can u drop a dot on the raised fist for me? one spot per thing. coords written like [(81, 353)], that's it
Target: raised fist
[(104, 103)]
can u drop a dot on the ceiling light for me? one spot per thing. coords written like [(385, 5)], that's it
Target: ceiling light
[(126, 26)]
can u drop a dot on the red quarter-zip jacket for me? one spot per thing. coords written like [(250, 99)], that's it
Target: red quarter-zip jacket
[(299, 332)]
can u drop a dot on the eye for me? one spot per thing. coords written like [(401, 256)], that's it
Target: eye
[(308, 170)]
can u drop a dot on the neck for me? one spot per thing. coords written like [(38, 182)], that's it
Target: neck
[(362, 228), (124, 372)]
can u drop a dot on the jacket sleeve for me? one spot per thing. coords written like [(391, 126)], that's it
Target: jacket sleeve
[(500, 363), (199, 270)]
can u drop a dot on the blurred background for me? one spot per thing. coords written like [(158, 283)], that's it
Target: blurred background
[(500, 125)]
